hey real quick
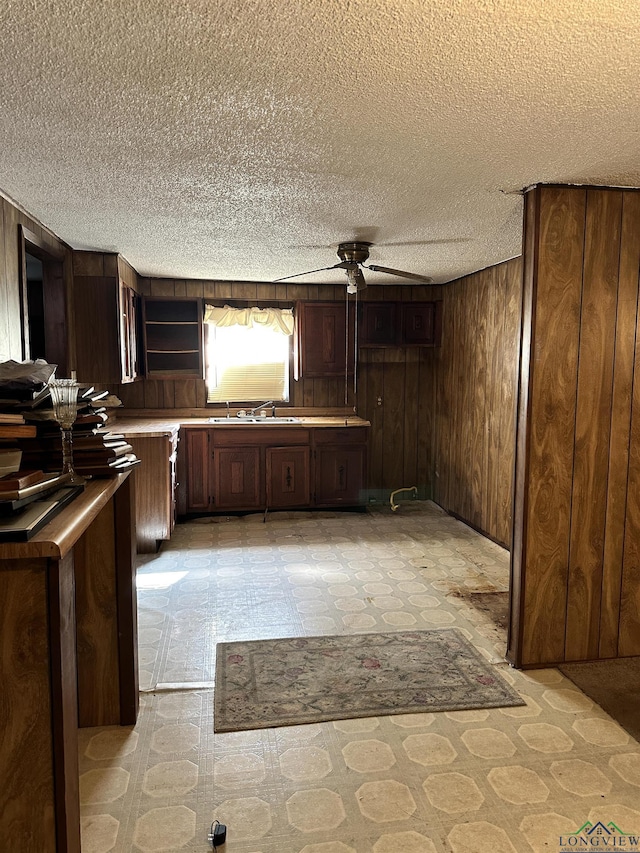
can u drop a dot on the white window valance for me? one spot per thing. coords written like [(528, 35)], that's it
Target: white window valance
[(276, 319)]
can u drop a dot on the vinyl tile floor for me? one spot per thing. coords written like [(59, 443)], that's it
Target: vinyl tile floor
[(505, 780)]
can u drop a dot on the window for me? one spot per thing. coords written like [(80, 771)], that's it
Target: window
[(247, 355)]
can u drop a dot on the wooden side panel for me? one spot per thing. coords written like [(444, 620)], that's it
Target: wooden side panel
[(509, 333), (153, 491), (26, 748), (518, 565), (629, 628), (593, 423), (127, 601), (552, 426), (95, 557), (65, 701), (127, 274), (611, 624)]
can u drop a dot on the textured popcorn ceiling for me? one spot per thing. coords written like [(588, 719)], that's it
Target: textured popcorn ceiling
[(244, 139)]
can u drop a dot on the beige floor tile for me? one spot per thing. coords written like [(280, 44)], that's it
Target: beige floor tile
[(458, 782)]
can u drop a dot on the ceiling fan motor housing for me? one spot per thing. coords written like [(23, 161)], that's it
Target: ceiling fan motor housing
[(353, 253)]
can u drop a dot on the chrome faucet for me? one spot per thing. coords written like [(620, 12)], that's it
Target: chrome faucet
[(252, 412)]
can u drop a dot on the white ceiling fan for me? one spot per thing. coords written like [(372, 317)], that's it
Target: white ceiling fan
[(352, 257)]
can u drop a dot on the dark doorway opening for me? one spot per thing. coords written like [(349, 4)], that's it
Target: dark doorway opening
[(35, 307), (44, 302)]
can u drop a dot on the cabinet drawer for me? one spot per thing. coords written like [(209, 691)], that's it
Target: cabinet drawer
[(259, 436), (340, 435)]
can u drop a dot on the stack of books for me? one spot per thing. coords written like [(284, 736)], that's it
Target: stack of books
[(96, 450), (13, 404)]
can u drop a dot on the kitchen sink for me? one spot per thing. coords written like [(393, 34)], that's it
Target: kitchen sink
[(250, 421)]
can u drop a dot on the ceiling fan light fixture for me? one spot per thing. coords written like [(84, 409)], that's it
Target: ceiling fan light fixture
[(355, 279)]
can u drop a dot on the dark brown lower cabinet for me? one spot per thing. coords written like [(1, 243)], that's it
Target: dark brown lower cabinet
[(287, 477), (339, 475), (236, 469)]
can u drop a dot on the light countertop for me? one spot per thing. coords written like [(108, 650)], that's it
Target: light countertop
[(166, 426)]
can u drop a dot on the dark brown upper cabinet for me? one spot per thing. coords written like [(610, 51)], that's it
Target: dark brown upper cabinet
[(324, 339), (379, 325), (400, 324), (106, 321)]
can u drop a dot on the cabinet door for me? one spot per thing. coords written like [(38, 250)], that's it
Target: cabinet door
[(198, 442), (106, 325), (339, 475), (324, 340), (421, 323), (237, 478), (379, 324), (287, 476)]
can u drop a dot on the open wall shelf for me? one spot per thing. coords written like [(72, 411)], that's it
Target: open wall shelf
[(173, 337)]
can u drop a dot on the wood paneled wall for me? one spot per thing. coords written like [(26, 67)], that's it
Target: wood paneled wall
[(476, 384), (11, 217), (576, 554)]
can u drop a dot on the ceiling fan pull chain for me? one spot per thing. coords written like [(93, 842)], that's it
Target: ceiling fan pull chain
[(355, 357), (346, 349)]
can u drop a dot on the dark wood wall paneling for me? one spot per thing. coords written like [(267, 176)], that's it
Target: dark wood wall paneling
[(575, 577), (474, 408)]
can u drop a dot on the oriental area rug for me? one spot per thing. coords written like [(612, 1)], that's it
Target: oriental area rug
[(266, 683)]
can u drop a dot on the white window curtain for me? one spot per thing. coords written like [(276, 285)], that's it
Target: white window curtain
[(276, 319)]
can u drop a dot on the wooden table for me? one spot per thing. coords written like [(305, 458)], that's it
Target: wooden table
[(68, 657)]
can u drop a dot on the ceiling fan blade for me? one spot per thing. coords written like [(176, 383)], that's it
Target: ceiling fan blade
[(422, 278), (310, 272)]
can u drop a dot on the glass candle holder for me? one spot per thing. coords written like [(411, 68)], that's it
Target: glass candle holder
[(64, 396)]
